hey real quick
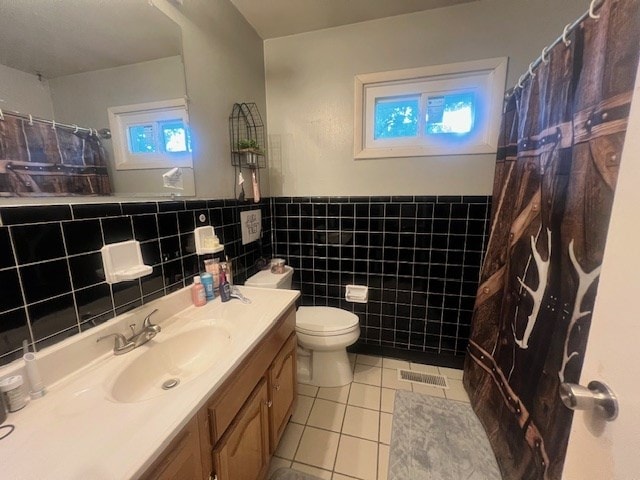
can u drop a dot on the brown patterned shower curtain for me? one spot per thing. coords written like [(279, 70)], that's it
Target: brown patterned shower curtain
[(557, 165), (38, 160)]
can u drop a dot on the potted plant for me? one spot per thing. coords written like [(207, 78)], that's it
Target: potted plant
[(250, 149), (249, 144)]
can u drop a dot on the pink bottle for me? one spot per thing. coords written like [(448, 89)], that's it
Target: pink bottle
[(198, 295)]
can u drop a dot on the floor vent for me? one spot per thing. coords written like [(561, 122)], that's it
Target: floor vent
[(431, 379)]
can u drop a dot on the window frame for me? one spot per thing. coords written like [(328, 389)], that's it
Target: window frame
[(121, 117), (487, 76)]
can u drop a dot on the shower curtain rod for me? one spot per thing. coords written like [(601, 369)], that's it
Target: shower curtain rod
[(103, 133), (595, 4)]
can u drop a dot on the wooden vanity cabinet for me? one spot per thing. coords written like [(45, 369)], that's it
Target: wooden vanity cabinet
[(243, 451), (233, 436), (182, 458), (283, 386)]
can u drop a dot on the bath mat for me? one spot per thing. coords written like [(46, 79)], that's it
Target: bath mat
[(438, 439), (289, 474)]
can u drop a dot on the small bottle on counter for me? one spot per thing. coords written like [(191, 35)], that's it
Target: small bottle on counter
[(198, 295), (207, 282), (226, 268), (12, 390), (225, 289), (213, 267)]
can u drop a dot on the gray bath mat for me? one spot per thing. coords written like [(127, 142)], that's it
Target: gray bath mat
[(438, 439), (288, 474)]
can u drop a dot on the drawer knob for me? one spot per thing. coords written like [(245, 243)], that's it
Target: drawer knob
[(268, 403)]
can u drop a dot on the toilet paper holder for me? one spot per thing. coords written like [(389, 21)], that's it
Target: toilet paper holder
[(357, 293)]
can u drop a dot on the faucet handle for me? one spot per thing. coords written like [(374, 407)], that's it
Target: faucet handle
[(120, 341), (147, 319)]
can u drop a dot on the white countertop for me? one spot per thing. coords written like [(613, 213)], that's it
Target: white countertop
[(77, 431)]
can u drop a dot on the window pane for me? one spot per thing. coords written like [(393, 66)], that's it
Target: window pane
[(450, 113), (175, 137), (396, 117), (141, 139)]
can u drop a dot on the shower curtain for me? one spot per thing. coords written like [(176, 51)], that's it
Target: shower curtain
[(38, 160), (559, 152)]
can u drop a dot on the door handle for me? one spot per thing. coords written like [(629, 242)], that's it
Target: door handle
[(596, 396)]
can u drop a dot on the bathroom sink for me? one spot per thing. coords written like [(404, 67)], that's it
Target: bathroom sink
[(169, 363)]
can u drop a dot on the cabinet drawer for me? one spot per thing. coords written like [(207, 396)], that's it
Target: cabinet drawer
[(237, 388)]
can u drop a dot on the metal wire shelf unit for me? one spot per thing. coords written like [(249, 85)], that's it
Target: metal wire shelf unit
[(246, 132)]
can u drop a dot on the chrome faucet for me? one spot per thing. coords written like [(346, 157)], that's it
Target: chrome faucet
[(147, 332)]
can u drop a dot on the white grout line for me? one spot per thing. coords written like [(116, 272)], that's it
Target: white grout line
[(341, 434)]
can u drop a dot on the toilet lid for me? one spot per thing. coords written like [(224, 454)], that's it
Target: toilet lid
[(325, 320)]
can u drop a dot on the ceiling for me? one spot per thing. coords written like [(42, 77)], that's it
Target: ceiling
[(56, 38), (63, 37), (278, 18)]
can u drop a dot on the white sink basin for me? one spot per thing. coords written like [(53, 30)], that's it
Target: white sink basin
[(181, 357)]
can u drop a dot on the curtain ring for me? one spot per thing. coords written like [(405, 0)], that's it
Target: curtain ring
[(519, 84), (544, 57), (592, 8), (53, 124), (531, 74), (1, 115), (565, 32), (75, 130), (30, 120)]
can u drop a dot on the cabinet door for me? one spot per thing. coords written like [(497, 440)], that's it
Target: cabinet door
[(282, 382), (243, 451), (181, 460)]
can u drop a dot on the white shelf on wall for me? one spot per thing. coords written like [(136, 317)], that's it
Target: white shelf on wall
[(206, 241), (123, 261)]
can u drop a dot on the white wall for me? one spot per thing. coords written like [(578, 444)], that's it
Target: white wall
[(83, 99), (224, 64), (23, 92), (309, 81)]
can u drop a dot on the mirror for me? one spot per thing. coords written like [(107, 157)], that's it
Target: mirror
[(72, 61)]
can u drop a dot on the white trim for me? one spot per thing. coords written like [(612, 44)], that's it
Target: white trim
[(494, 71)]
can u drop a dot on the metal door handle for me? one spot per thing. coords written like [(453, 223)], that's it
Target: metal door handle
[(597, 396)]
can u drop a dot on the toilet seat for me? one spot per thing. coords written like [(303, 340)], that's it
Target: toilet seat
[(325, 321)]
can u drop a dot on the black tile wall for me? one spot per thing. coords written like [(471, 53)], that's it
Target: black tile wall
[(51, 281), (420, 257)]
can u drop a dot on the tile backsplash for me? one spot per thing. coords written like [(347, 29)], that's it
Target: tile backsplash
[(51, 280), (419, 256)]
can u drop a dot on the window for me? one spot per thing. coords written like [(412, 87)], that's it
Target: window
[(440, 110), (151, 135)]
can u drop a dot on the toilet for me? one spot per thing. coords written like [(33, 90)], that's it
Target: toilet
[(324, 333)]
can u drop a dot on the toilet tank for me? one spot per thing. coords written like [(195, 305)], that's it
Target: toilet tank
[(266, 279)]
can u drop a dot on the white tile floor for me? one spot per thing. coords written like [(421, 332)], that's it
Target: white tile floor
[(344, 433)]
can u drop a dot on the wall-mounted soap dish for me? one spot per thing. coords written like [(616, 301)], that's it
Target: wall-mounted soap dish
[(207, 241), (123, 261)]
